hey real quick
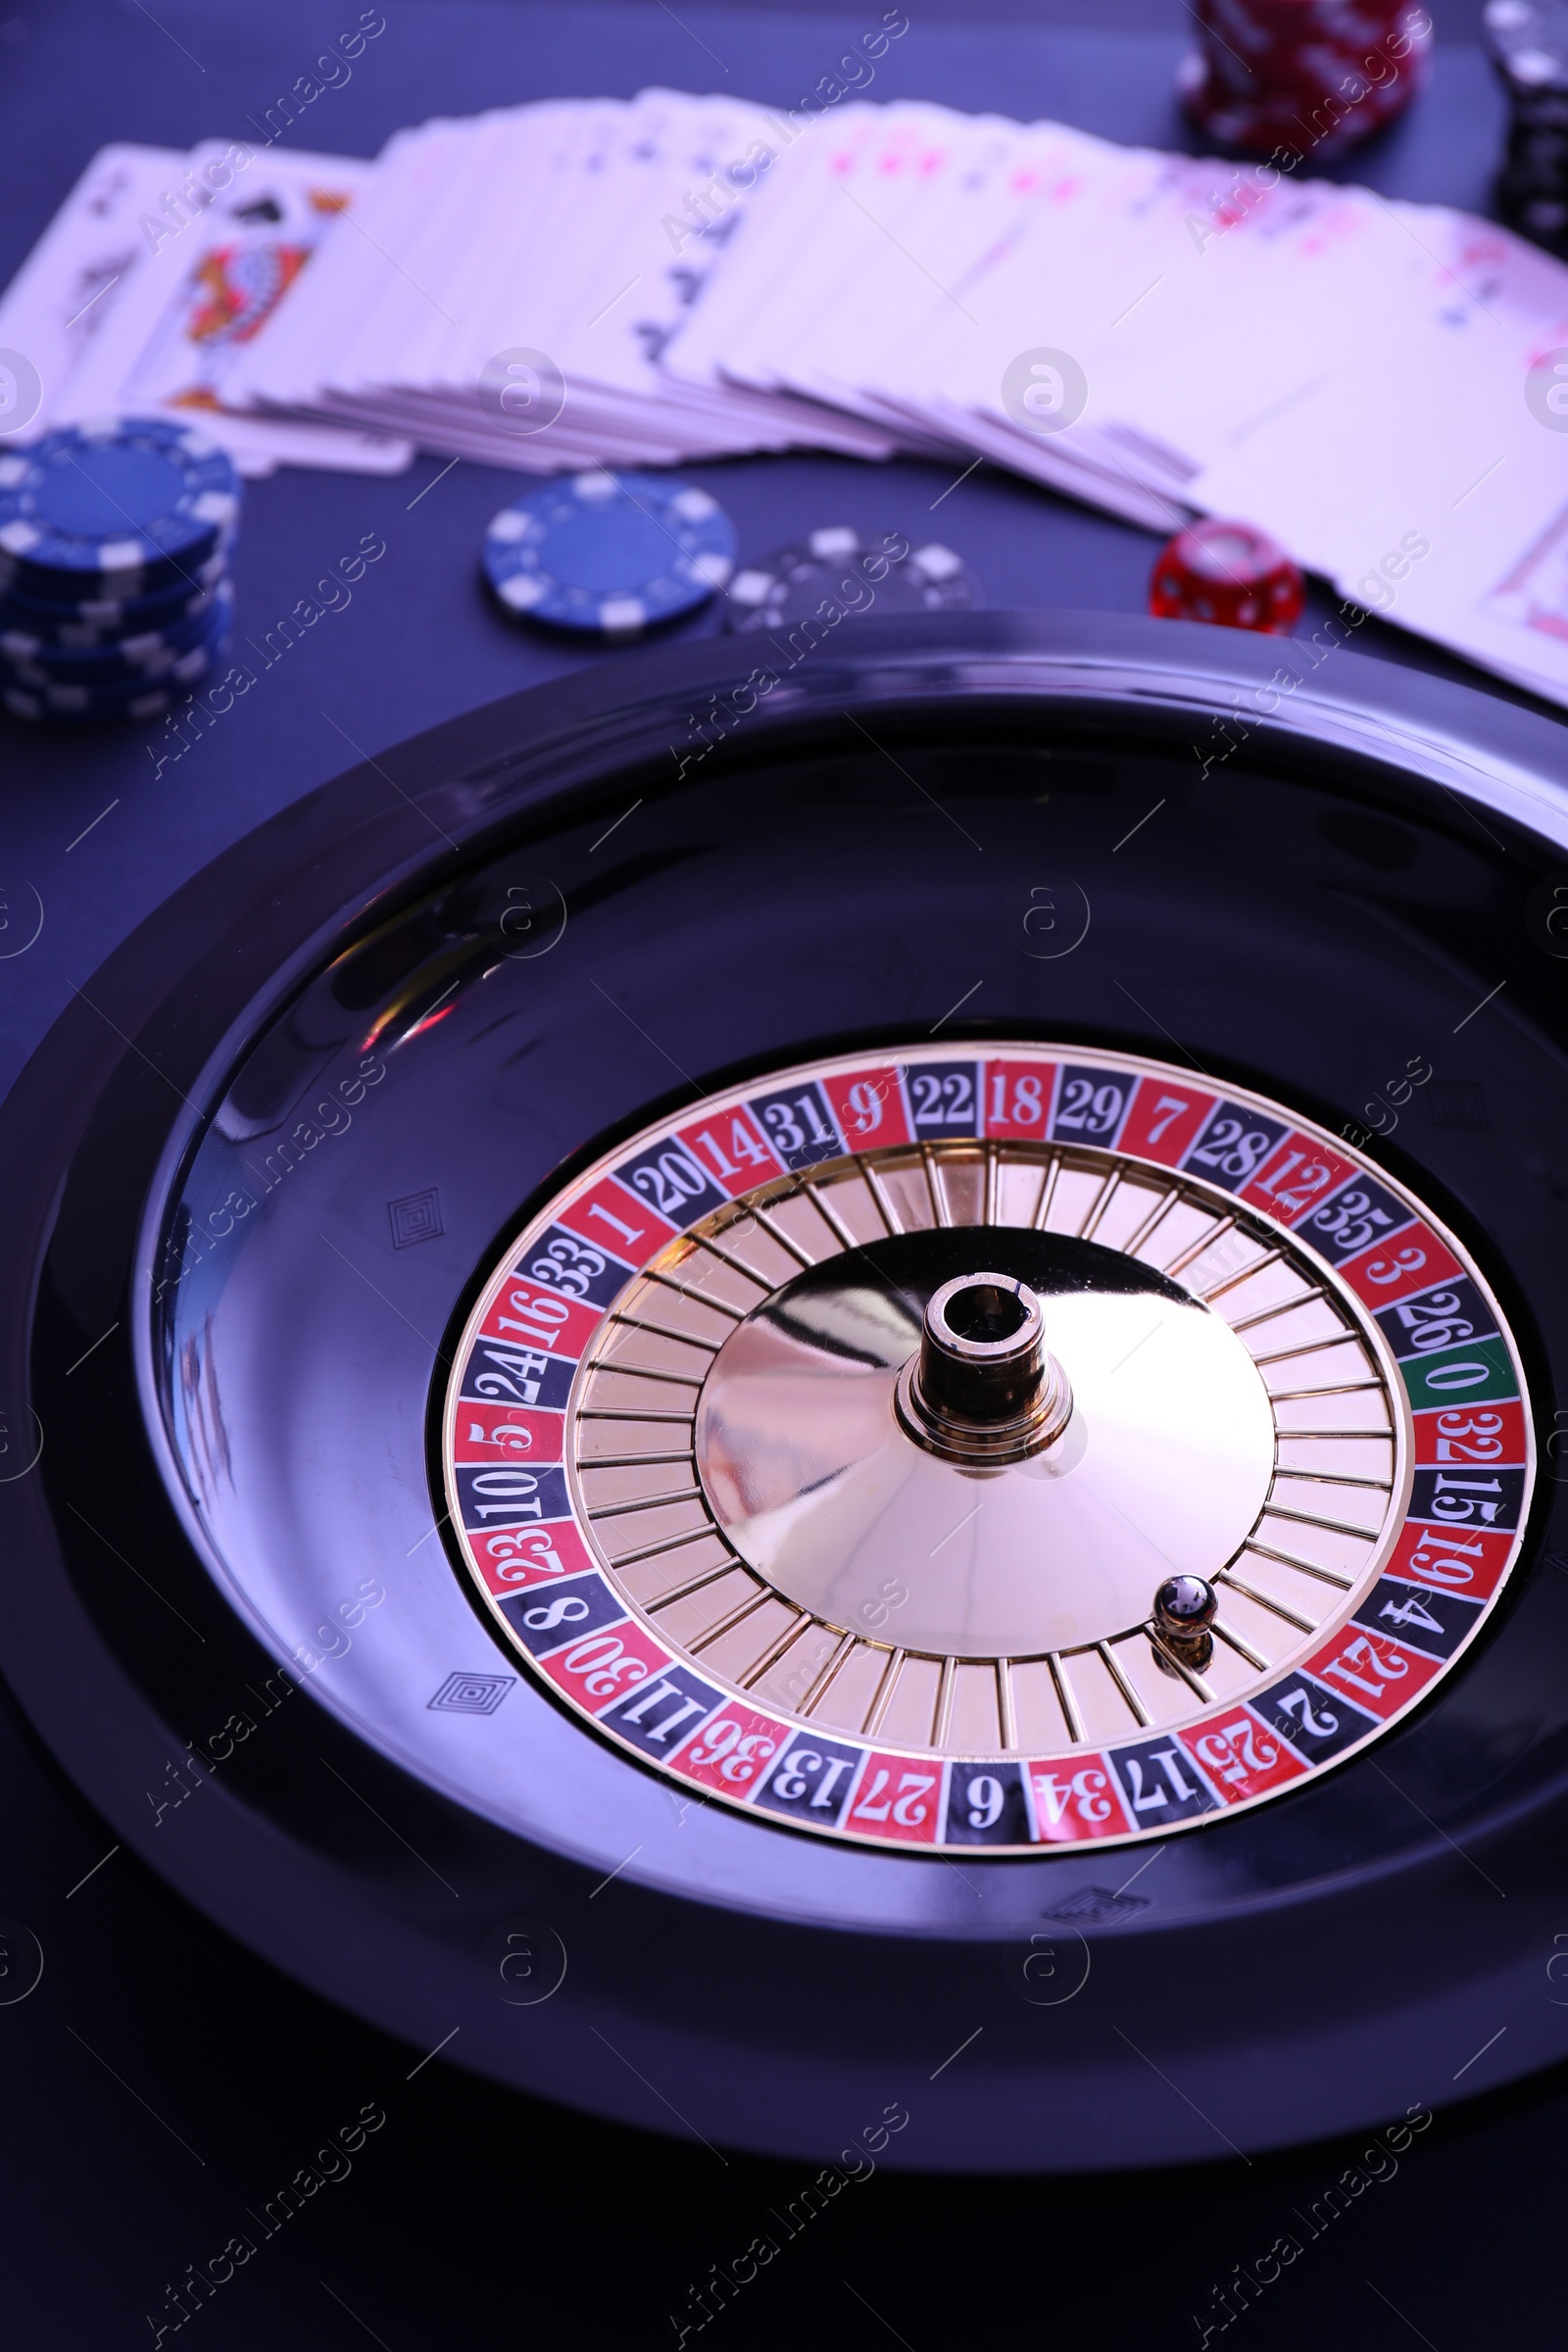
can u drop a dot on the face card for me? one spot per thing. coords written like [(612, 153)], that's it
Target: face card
[(220, 259)]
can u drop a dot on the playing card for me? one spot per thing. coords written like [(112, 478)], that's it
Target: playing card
[(1426, 474), (218, 277), (67, 287), (682, 162)]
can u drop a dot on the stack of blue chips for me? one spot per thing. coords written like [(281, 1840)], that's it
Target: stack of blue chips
[(115, 543)]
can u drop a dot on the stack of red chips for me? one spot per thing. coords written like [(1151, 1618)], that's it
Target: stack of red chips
[(1299, 78)]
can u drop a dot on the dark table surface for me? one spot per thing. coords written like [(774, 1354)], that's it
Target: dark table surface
[(159, 2082)]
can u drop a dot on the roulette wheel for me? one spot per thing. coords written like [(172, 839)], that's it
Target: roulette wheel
[(858, 1419)]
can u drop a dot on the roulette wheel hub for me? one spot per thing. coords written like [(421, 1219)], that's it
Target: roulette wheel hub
[(981, 1389), (278, 1175)]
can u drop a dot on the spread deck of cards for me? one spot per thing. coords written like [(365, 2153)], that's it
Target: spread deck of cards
[(577, 286)]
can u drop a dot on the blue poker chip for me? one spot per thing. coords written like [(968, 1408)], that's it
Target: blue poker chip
[(115, 509), (612, 554), (84, 623), (39, 695), (38, 662), (42, 708)]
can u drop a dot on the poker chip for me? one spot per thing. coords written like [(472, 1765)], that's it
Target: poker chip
[(1527, 41), (105, 688), (1307, 76), (836, 574), (84, 623), (608, 554), (115, 543), (38, 705), (117, 509), (149, 653), (102, 698), (32, 696)]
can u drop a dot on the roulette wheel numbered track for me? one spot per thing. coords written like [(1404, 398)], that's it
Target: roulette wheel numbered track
[(269, 1175)]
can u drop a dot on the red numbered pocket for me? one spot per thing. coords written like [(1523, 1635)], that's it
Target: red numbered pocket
[(898, 1797), (1076, 1800)]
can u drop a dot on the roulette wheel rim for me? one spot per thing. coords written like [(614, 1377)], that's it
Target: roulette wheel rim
[(307, 1882)]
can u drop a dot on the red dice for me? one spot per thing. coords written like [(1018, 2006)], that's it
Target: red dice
[(1230, 572)]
